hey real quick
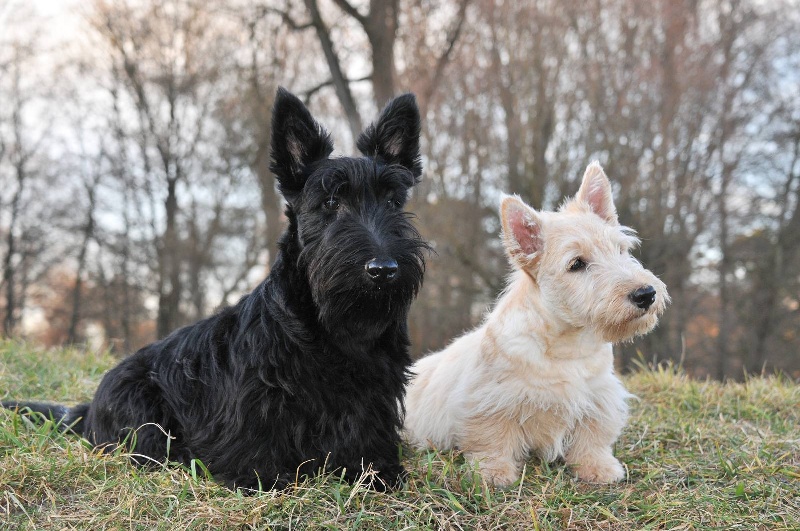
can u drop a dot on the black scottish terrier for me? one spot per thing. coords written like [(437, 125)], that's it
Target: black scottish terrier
[(306, 373)]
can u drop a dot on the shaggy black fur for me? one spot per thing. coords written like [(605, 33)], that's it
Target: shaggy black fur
[(306, 373)]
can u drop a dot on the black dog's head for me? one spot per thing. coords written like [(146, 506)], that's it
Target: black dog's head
[(361, 255)]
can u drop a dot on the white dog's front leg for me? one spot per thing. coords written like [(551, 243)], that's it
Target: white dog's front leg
[(495, 443), (500, 471), (590, 453)]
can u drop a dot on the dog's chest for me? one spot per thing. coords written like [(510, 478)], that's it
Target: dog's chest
[(569, 385), (571, 393)]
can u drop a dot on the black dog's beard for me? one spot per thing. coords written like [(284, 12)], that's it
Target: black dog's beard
[(344, 295)]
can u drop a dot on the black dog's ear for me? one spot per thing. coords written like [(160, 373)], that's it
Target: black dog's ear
[(394, 136), (297, 141)]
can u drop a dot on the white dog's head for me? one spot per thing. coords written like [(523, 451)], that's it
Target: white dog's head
[(579, 257)]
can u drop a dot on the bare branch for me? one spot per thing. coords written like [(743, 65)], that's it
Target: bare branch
[(287, 18), (444, 59), (337, 76), (345, 6), (316, 88)]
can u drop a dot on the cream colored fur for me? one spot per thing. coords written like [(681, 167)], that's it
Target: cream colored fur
[(538, 375)]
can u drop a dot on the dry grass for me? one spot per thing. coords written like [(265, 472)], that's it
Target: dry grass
[(700, 455)]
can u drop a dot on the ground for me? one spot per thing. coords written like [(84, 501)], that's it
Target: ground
[(699, 455)]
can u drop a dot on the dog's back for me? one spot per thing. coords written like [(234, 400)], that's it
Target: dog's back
[(436, 402)]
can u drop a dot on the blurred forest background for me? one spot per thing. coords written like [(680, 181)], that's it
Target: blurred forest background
[(135, 194)]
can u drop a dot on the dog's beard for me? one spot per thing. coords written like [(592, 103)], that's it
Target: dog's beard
[(345, 297), (624, 329), (610, 314), (621, 321)]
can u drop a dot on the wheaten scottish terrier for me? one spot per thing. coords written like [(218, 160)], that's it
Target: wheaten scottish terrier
[(538, 374)]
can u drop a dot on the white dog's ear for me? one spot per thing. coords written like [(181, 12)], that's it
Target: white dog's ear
[(595, 191), (522, 231)]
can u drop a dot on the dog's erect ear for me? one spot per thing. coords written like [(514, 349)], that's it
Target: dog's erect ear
[(394, 136), (522, 231), (595, 191), (297, 141)]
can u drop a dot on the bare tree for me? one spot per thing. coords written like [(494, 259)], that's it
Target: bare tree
[(168, 56), (380, 25), (87, 230), (21, 145)]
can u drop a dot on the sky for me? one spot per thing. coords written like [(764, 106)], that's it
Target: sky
[(59, 18)]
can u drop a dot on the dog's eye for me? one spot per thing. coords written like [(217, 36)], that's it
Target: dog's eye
[(332, 204), (577, 265), (394, 202)]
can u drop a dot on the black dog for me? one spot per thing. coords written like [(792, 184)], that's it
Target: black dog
[(307, 373)]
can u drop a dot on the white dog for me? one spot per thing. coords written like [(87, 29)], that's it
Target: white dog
[(538, 374)]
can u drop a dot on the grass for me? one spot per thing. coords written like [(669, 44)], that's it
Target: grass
[(700, 455)]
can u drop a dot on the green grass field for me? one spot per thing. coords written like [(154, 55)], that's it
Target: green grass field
[(700, 455)]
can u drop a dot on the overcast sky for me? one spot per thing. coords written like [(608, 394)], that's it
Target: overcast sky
[(59, 19)]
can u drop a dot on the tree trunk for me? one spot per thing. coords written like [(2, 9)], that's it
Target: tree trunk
[(516, 184), (170, 292), (723, 271), (381, 29), (88, 234), (271, 203), (9, 272)]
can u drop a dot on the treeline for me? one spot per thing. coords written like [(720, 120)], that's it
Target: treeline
[(135, 194)]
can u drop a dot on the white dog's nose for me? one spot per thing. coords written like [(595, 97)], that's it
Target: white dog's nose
[(643, 297)]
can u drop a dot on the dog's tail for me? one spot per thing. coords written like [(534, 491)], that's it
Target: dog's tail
[(67, 418)]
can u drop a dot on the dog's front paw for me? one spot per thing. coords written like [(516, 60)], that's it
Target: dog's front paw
[(499, 473), (606, 470)]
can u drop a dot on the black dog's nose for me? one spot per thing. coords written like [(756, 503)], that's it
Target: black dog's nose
[(381, 270), (643, 297)]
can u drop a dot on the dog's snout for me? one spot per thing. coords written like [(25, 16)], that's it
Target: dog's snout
[(381, 270), (643, 297)]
